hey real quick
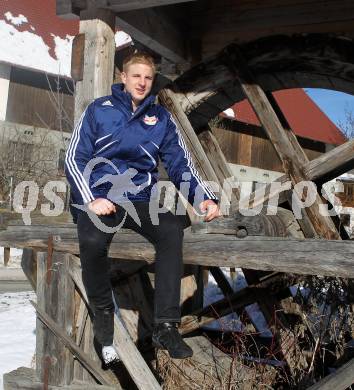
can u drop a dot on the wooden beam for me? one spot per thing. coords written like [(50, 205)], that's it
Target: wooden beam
[(323, 168), (299, 256), (170, 100), (154, 29), (341, 379), (55, 297), (99, 49), (242, 21), (24, 378), (77, 57), (66, 10), (284, 142), (331, 164), (6, 256), (220, 165), (129, 5), (29, 266)]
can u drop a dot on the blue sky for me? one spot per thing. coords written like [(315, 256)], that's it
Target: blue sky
[(332, 103)]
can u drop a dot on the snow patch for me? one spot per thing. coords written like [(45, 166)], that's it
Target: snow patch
[(17, 331), (16, 20), (15, 258), (121, 38), (230, 112), (28, 49), (232, 322)]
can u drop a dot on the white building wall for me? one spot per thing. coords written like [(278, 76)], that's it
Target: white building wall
[(5, 71)]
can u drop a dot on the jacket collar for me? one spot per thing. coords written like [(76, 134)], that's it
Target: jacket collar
[(125, 99)]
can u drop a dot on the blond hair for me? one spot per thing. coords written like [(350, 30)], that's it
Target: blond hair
[(139, 58)]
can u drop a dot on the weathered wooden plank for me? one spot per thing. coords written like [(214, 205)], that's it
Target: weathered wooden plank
[(6, 256), (201, 161), (77, 57), (55, 292), (99, 49), (81, 319), (342, 379), (331, 164), (325, 167), (300, 256), (29, 266), (219, 164), (102, 376), (129, 354), (24, 378), (249, 25), (65, 9)]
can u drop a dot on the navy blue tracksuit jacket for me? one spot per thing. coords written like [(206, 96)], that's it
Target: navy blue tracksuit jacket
[(123, 148)]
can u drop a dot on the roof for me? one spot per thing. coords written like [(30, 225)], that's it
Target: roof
[(32, 36), (303, 115)]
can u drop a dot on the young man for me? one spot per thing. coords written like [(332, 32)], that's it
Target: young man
[(120, 138)]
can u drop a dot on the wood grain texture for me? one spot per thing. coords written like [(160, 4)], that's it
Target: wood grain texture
[(99, 49), (300, 256)]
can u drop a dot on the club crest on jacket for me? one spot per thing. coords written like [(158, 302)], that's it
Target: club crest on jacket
[(150, 120)]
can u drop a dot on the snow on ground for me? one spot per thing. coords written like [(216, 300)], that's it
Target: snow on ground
[(15, 258), (17, 331), (232, 322)]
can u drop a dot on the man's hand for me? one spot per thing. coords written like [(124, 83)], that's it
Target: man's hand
[(211, 208), (101, 206)]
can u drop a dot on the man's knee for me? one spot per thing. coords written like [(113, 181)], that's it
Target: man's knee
[(171, 231)]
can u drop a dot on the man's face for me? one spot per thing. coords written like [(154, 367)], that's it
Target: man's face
[(138, 81)]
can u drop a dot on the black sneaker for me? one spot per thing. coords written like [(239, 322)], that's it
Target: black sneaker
[(166, 336)]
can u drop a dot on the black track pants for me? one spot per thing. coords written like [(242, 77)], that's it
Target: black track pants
[(167, 238)]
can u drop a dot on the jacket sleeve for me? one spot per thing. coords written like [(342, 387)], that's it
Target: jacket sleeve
[(180, 168), (79, 153)]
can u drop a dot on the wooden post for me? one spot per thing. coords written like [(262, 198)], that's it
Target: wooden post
[(29, 266), (55, 297), (6, 256), (99, 49)]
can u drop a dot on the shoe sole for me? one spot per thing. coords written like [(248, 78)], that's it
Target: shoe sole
[(157, 345), (111, 364)]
